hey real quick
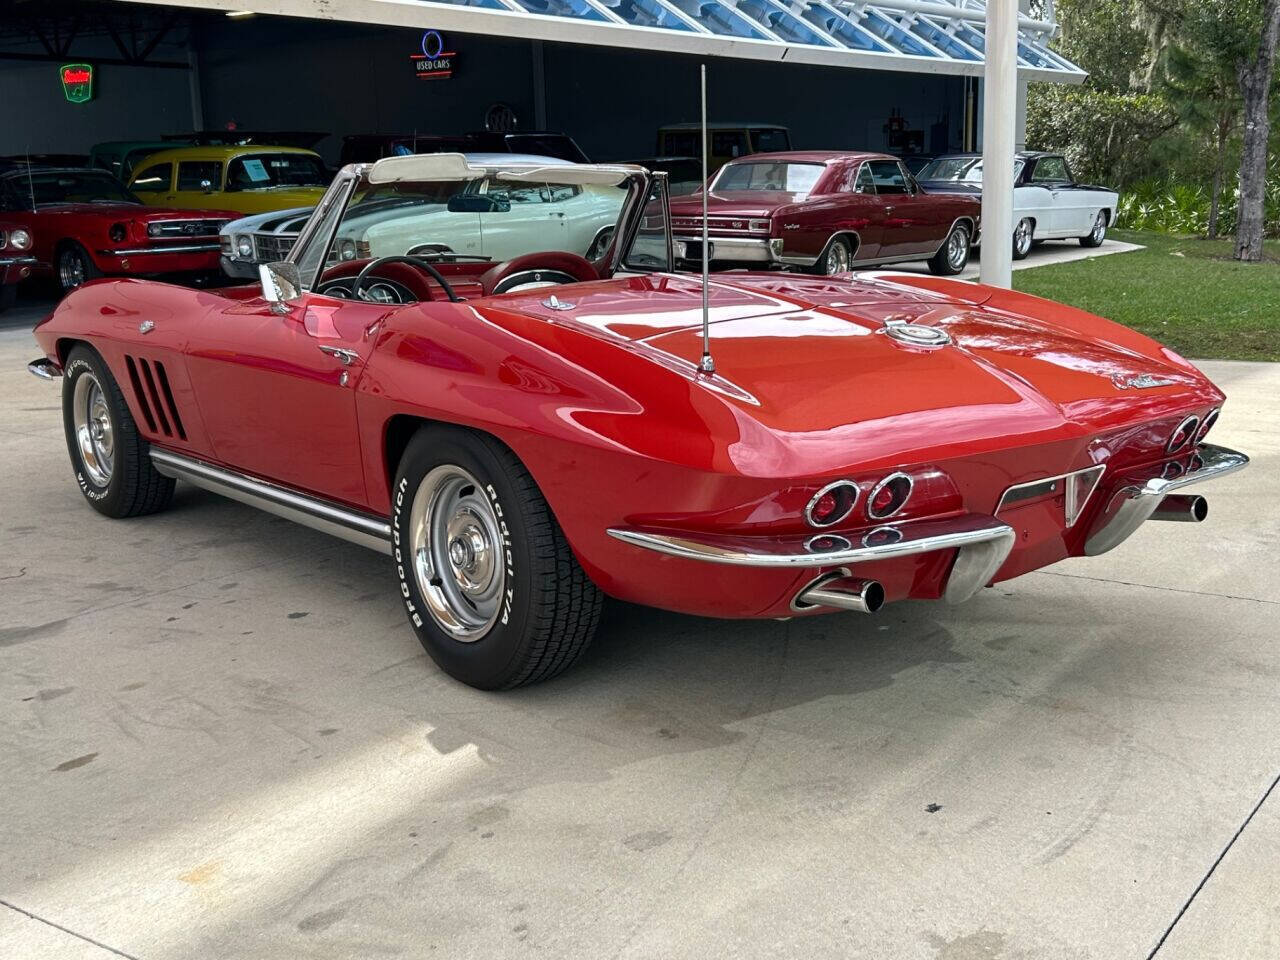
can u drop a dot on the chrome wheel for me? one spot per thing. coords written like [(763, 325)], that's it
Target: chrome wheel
[(93, 429), (957, 248), (837, 259), (70, 269), (1099, 230), (458, 552), (1022, 238)]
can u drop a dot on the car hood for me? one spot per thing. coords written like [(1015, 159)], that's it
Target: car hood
[(132, 211), (812, 360), (277, 221)]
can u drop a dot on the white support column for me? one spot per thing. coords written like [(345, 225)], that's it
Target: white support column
[(999, 118)]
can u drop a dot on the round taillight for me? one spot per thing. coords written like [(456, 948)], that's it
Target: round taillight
[(117, 232), (1210, 419), (832, 503), (1182, 434), (888, 496)]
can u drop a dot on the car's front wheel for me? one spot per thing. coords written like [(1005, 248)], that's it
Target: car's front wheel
[(953, 256), (1095, 236), (75, 266), (490, 585), (112, 463)]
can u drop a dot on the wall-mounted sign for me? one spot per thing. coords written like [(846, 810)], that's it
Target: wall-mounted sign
[(77, 82), (434, 62)]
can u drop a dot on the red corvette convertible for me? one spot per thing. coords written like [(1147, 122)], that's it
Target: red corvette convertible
[(87, 225), (825, 212), (524, 437)]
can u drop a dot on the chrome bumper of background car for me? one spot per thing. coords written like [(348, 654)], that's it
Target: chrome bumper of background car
[(982, 543), (737, 249), (1142, 499)]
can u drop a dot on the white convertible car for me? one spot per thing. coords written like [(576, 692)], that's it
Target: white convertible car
[(488, 217), (1048, 203)]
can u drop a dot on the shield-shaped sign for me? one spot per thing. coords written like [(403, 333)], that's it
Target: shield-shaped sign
[(77, 82)]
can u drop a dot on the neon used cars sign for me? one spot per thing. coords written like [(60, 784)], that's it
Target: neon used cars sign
[(435, 62)]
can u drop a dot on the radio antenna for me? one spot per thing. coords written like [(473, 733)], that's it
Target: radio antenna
[(31, 186), (707, 365)]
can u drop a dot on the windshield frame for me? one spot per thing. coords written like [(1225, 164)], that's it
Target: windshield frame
[(353, 177)]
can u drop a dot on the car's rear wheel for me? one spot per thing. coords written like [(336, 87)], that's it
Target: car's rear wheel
[(1023, 239), (1095, 236), (75, 266), (837, 258), (953, 256), (491, 587), (112, 463)]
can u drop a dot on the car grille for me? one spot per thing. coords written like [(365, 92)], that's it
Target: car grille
[(272, 247), (176, 229)]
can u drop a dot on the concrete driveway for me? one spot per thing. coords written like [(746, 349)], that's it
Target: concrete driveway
[(219, 739)]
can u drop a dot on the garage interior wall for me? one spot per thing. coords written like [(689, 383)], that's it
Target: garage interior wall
[(284, 74)]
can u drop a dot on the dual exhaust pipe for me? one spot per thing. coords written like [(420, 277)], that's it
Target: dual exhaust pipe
[(844, 592)]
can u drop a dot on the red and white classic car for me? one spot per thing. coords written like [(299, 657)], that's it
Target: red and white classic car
[(527, 436), (16, 260), (825, 212), (87, 225)]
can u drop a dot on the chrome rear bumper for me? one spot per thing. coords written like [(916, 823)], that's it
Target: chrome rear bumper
[(1133, 503), (982, 543)]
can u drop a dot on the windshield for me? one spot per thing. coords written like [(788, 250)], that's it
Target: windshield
[(262, 170), (491, 218), (73, 186), (959, 170), (797, 178)]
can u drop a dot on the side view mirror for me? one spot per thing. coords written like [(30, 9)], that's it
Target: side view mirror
[(477, 203), (281, 285), (206, 186)]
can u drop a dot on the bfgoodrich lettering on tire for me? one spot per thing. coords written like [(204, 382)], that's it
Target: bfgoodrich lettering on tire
[(112, 463), (488, 581)]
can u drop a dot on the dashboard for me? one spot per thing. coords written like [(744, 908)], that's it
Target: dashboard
[(375, 290)]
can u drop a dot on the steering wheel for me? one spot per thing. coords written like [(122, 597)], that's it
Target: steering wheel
[(413, 262)]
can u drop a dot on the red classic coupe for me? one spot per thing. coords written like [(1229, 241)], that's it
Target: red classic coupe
[(527, 436), (16, 260), (87, 225), (825, 212)]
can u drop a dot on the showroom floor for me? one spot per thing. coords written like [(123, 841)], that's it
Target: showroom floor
[(219, 738)]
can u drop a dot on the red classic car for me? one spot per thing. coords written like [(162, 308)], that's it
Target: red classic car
[(825, 212), (524, 437), (16, 260), (86, 225)]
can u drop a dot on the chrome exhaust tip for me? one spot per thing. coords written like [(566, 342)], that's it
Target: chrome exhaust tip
[(1183, 507), (841, 591)]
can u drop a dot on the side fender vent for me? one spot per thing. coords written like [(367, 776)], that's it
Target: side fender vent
[(155, 397)]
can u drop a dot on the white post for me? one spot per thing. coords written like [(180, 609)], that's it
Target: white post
[(999, 117)]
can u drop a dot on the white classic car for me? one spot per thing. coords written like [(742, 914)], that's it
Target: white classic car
[(489, 218), (1048, 203)]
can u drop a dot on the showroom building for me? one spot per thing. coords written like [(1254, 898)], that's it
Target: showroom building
[(897, 75)]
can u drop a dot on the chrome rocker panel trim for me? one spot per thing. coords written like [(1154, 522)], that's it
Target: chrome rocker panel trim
[(176, 248), (983, 544), (350, 525), (44, 368), (1133, 504)]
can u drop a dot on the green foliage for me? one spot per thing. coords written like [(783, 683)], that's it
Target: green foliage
[(1165, 206), (1107, 137)]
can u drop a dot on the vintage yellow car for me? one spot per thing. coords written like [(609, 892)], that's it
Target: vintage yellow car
[(250, 179)]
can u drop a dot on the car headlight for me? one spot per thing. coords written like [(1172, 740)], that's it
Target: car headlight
[(346, 248), (244, 246), (20, 239), (117, 232)]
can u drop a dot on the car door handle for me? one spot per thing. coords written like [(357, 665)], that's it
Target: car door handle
[(344, 356)]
